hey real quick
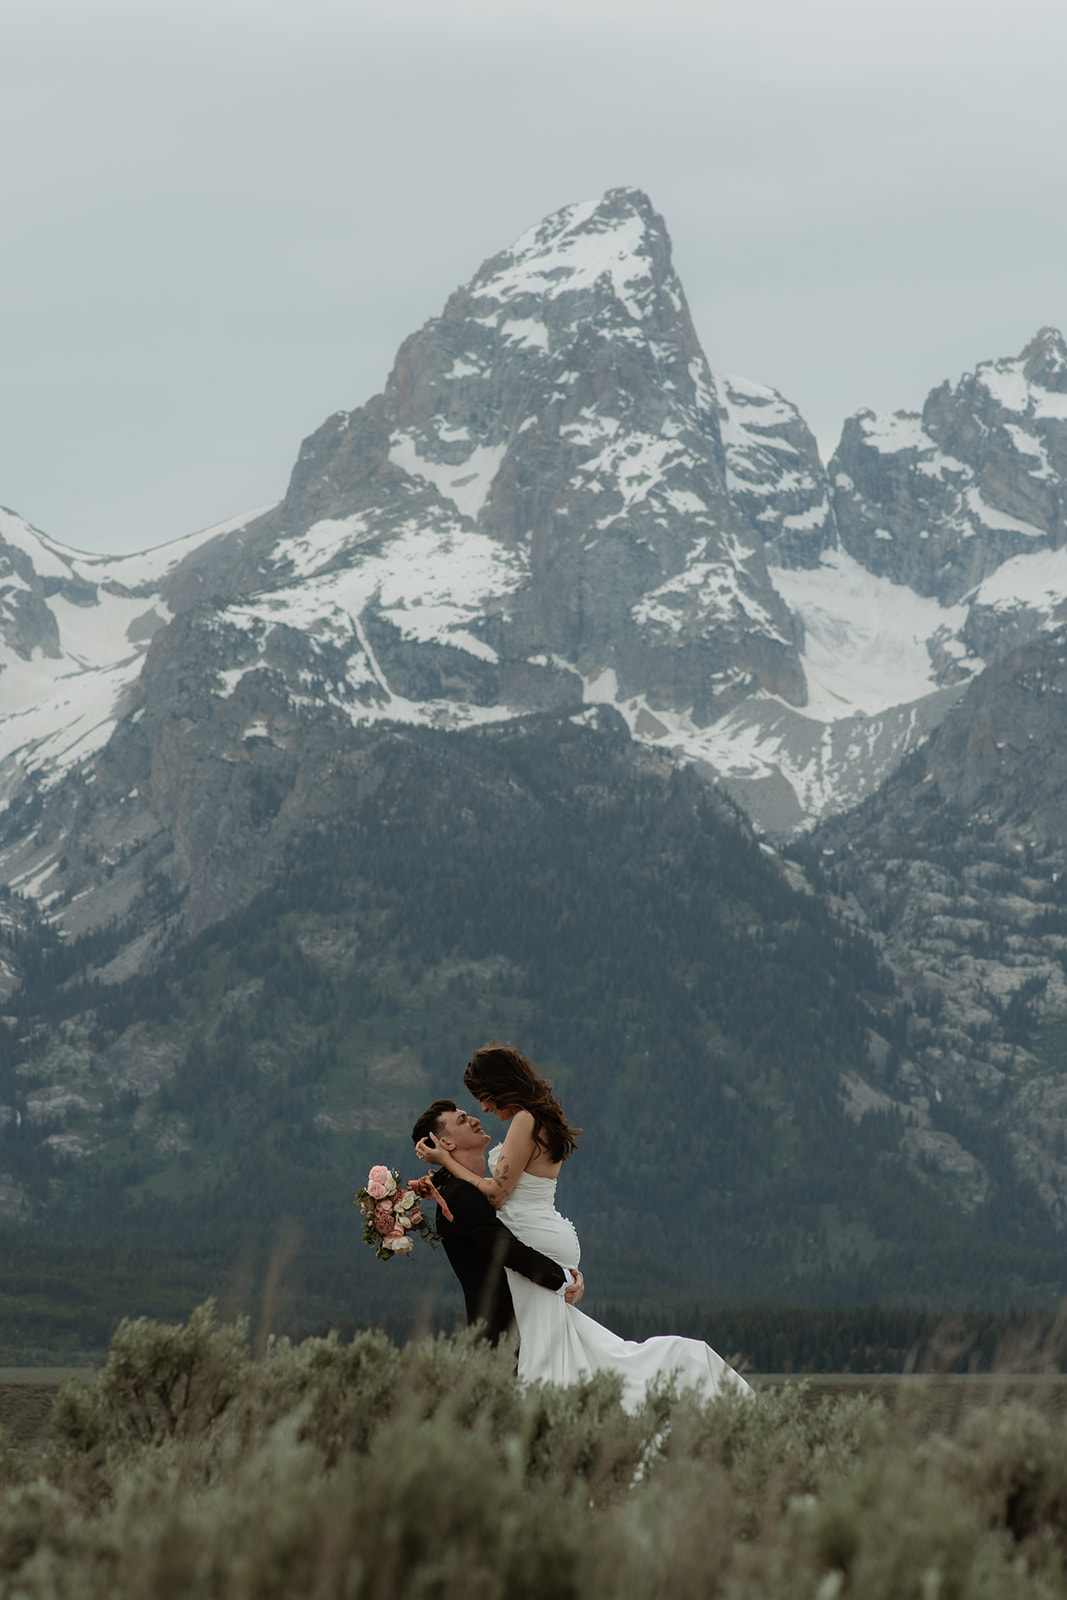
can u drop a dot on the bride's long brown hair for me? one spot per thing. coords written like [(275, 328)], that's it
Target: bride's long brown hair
[(498, 1073)]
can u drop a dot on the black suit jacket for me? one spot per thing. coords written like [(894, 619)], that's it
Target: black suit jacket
[(479, 1247)]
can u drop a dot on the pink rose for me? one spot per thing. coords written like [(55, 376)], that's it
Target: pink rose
[(382, 1176), (415, 1217), (384, 1220), (376, 1190)]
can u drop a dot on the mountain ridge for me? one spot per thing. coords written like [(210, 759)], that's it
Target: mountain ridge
[(728, 652), (684, 603), (558, 548)]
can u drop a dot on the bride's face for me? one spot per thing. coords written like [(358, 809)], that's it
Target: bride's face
[(503, 1113)]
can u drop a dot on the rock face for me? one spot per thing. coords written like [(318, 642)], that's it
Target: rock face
[(958, 866), (548, 454), (26, 623), (1003, 754), (774, 474), (553, 504), (938, 501)]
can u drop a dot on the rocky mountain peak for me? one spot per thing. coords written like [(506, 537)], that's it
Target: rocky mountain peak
[(940, 500), (1044, 361), (576, 338), (774, 473), (619, 239), (555, 434), (590, 292)]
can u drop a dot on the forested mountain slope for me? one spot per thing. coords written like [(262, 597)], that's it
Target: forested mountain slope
[(551, 882), (958, 868)]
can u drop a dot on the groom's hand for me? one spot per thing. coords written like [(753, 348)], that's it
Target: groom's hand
[(574, 1291)]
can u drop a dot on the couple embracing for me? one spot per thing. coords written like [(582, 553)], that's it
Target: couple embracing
[(515, 1256)]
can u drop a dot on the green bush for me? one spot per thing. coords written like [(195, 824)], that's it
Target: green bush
[(425, 1472)]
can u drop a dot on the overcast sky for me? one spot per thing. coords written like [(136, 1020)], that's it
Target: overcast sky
[(219, 218)]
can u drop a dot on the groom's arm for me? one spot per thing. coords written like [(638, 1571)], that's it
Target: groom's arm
[(479, 1223)]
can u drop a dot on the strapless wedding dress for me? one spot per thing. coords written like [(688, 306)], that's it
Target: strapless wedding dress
[(560, 1344)]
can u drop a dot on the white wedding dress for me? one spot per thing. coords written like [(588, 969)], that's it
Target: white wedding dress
[(559, 1344)]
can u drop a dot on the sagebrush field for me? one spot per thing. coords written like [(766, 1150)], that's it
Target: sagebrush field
[(365, 1470)]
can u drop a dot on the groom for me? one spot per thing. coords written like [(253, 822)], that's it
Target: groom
[(477, 1244)]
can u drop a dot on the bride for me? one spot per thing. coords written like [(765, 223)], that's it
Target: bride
[(557, 1342)]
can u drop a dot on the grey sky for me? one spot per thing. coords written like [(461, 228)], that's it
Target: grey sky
[(220, 217)]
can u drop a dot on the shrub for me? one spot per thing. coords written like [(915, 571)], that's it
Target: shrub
[(159, 1382), (371, 1472)]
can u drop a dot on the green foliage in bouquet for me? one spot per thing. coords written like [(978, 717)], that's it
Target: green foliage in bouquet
[(392, 1215)]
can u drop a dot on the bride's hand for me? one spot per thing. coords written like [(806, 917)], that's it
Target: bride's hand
[(427, 1151)]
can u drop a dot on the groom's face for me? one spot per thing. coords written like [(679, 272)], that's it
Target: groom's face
[(461, 1132)]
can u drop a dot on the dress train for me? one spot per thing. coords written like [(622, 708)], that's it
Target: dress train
[(560, 1344)]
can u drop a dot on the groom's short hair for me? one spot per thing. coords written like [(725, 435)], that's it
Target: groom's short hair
[(430, 1121)]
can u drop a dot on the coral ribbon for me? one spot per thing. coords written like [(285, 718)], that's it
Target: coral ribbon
[(434, 1191)]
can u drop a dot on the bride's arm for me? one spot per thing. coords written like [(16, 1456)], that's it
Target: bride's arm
[(515, 1152)]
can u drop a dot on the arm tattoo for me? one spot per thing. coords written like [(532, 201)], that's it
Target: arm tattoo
[(503, 1166)]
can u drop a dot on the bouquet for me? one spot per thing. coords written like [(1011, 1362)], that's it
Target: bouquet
[(392, 1215)]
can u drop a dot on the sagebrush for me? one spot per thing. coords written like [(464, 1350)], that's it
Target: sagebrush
[(366, 1470)]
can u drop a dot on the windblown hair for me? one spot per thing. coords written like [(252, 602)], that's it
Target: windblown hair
[(498, 1073), (430, 1121)]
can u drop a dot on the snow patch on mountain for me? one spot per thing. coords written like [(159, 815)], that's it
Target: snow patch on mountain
[(324, 543), (866, 639), (72, 717), (58, 708), (333, 617), (715, 588), (466, 483), (874, 694), (1037, 581), (903, 430), (572, 251), (137, 570), (987, 516), (434, 582)]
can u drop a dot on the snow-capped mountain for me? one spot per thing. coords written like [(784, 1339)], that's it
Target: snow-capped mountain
[(941, 549), (554, 503), (74, 629), (939, 501), (539, 500)]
